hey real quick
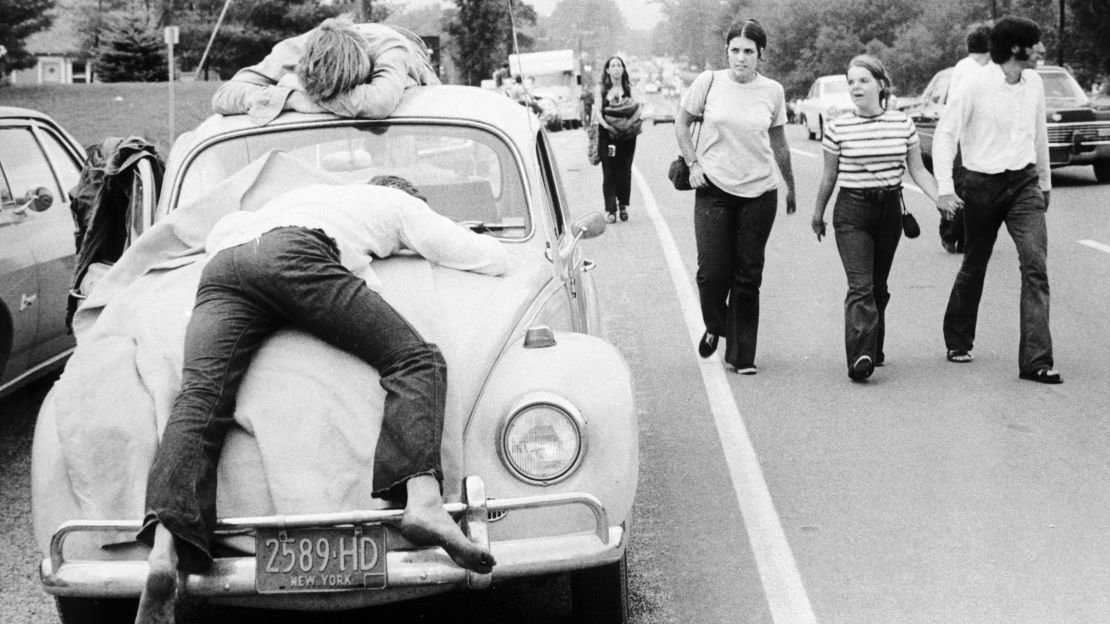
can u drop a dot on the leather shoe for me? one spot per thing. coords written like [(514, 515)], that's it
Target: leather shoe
[(707, 345)]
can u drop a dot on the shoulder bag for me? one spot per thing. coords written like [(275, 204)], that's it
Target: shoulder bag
[(679, 172)]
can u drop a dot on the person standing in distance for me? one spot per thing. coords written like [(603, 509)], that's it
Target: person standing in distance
[(998, 123), (742, 138), (619, 121), (978, 42)]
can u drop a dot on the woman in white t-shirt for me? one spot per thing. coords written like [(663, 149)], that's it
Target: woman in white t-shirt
[(868, 152), (732, 167)]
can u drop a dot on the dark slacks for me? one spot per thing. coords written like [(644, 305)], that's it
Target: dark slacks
[(1013, 198), (868, 226), (616, 170), (288, 276), (731, 234)]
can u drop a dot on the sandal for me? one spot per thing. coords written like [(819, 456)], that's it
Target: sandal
[(960, 356), (1042, 375), (750, 369), (611, 217)]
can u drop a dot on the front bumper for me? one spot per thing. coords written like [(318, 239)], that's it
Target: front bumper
[(234, 577)]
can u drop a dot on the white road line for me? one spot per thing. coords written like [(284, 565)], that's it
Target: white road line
[(1095, 245), (782, 584)]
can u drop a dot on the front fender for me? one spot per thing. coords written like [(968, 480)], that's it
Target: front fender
[(589, 373)]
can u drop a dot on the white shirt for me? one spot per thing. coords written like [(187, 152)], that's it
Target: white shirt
[(964, 68), (365, 220), (998, 127), (734, 145)]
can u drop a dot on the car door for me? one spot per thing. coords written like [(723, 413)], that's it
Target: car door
[(18, 285), (37, 156)]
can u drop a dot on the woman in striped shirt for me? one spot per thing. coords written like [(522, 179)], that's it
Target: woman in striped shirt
[(868, 153)]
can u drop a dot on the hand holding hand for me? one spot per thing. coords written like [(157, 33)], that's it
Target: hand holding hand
[(948, 205)]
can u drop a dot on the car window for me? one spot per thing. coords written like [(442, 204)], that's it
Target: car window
[(1062, 88), (65, 166), (831, 87), (25, 165), (465, 173)]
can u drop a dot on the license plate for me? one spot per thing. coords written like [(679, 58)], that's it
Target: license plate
[(320, 559)]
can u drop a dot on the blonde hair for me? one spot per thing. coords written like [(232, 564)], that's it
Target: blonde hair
[(336, 59)]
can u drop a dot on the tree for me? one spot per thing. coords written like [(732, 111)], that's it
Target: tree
[(131, 50), (482, 34), (596, 28), (22, 18)]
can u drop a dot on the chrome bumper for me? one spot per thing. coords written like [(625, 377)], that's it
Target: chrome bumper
[(235, 577)]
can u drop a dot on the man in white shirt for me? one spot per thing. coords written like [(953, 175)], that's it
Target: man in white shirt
[(998, 123), (978, 55), (303, 259)]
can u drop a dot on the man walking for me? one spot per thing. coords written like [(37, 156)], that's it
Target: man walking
[(978, 55), (998, 123)]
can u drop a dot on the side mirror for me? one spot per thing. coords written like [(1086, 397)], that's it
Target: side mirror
[(37, 200), (589, 225)]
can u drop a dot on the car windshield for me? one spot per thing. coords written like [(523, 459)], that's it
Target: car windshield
[(466, 174), (1061, 87), (835, 86)]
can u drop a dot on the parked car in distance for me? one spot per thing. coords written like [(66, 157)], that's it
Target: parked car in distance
[(540, 451), (1077, 133), (39, 164), (660, 108), (828, 98)]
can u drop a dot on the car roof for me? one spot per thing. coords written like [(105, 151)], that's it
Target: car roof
[(439, 102), (17, 112)]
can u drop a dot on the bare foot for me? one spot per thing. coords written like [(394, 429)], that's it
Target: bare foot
[(430, 525), (156, 606)]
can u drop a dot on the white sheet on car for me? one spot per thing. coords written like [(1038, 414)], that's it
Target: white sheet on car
[(309, 414)]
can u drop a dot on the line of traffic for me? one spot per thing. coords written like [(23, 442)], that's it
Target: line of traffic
[(786, 596)]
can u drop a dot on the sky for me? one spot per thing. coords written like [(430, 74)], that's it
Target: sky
[(638, 14)]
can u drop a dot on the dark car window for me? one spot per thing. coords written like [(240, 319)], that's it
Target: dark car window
[(25, 164)]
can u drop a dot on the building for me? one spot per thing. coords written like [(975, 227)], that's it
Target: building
[(60, 58)]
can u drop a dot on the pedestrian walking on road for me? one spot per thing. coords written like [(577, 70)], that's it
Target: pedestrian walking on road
[(619, 119), (868, 152), (732, 169), (998, 123), (978, 41)]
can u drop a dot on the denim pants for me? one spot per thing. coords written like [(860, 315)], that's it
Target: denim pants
[(868, 226), (288, 276), (616, 170), (731, 234), (1013, 198)]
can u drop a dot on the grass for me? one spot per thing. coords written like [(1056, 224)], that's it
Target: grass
[(93, 112)]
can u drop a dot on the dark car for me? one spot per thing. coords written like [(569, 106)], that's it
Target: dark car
[(1077, 133), (39, 163)]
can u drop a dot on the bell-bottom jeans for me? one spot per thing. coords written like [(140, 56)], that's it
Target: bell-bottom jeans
[(288, 276), (731, 234), (1014, 198), (868, 226)]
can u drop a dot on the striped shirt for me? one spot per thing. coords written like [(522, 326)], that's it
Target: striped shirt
[(872, 150)]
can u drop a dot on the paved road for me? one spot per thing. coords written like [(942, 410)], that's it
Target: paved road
[(934, 493)]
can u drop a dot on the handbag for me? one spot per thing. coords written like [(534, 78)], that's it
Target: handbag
[(592, 152), (909, 224), (679, 172)]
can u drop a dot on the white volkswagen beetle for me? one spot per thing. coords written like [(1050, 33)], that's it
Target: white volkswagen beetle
[(540, 441)]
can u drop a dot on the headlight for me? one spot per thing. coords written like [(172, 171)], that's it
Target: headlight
[(543, 439)]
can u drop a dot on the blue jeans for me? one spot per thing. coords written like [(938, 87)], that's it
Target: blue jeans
[(1013, 198), (868, 226), (731, 234), (288, 276)]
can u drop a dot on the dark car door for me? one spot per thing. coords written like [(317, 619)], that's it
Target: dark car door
[(34, 156)]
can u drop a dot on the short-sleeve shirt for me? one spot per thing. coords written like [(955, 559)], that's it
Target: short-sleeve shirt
[(872, 150), (734, 147)]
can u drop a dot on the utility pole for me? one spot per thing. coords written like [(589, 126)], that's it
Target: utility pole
[(364, 10), (1060, 48)]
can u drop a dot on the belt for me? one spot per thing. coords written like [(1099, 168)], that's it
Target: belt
[(879, 193)]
